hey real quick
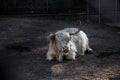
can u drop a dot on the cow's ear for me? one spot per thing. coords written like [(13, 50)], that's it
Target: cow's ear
[(51, 37), (70, 36)]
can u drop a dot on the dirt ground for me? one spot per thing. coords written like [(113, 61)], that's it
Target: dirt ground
[(23, 48)]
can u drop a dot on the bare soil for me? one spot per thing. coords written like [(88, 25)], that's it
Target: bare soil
[(23, 47)]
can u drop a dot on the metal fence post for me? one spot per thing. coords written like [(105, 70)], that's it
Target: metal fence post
[(14, 4), (116, 6), (87, 10), (47, 6), (99, 12)]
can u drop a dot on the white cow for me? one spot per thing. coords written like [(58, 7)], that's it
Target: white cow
[(68, 42)]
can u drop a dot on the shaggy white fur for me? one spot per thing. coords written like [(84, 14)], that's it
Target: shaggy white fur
[(63, 44)]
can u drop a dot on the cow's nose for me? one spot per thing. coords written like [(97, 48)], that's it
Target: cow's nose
[(65, 49)]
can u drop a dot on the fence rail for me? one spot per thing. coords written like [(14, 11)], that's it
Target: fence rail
[(42, 6), (103, 10)]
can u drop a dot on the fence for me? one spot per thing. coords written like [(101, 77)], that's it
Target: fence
[(41, 6), (103, 11)]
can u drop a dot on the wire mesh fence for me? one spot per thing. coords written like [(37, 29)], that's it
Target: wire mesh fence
[(101, 11)]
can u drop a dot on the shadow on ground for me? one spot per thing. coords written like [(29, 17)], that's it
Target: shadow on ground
[(23, 47)]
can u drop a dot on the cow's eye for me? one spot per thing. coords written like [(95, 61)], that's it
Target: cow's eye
[(66, 39), (57, 40)]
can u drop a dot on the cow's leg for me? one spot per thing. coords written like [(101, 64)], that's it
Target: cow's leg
[(71, 55), (49, 56), (89, 50), (50, 53), (82, 51), (81, 47), (60, 57)]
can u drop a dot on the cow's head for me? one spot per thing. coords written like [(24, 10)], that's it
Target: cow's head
[(61, 39)]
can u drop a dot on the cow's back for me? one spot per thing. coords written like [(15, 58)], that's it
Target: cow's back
[(70, 30)]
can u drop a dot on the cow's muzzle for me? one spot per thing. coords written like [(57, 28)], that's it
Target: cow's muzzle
[(65, 49)]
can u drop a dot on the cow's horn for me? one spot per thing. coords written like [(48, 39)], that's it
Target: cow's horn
[(79, 28)]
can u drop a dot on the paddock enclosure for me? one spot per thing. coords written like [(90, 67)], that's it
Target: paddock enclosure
[(101, 11), (25, 25)]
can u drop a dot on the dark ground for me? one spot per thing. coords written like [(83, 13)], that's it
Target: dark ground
[(23, 48)]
